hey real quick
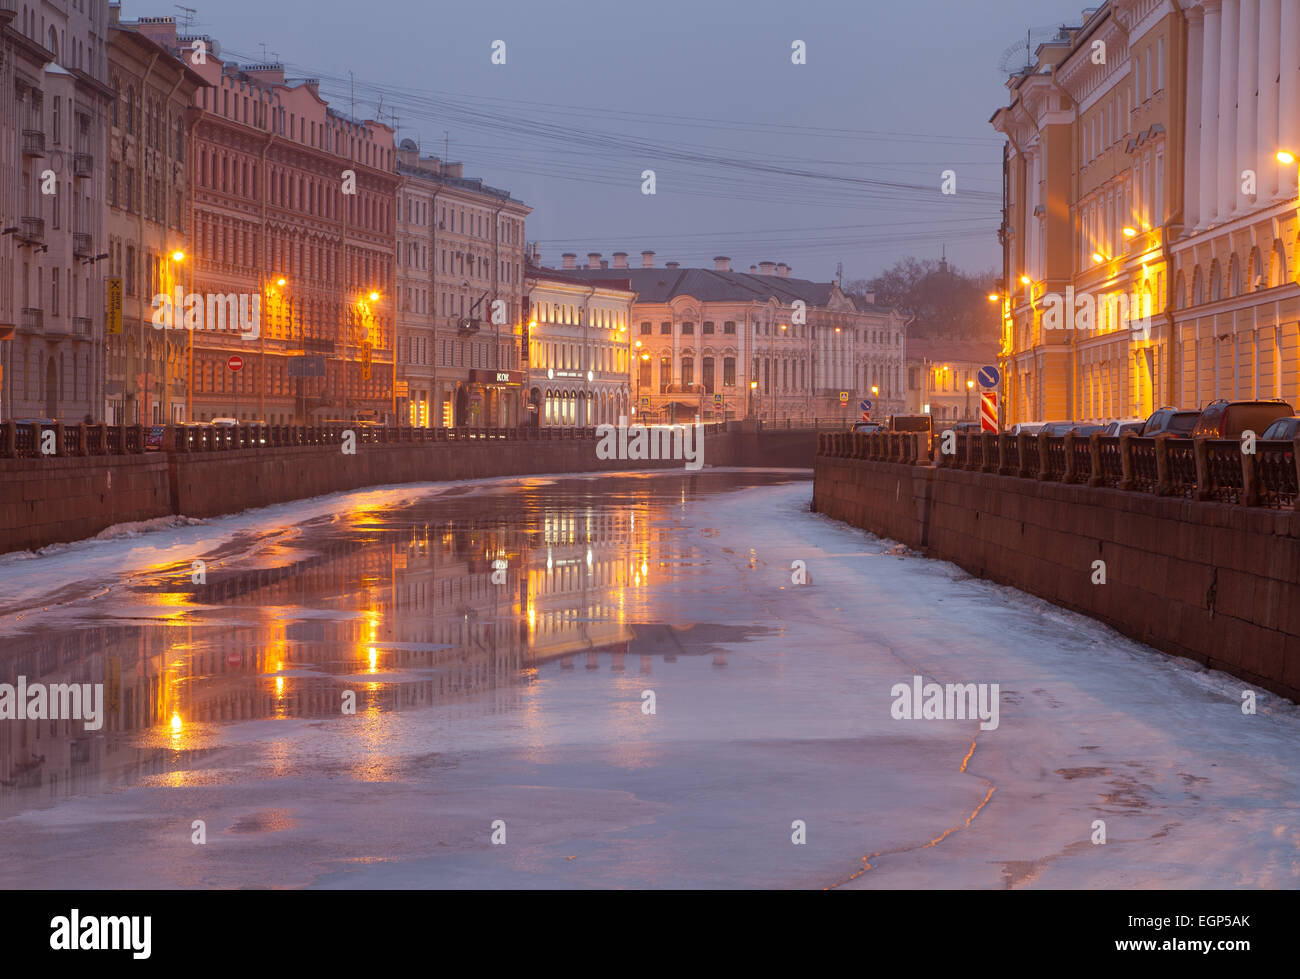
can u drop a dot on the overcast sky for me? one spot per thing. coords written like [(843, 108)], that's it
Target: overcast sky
[(836, 160)]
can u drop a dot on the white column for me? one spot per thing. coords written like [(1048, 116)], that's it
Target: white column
[(1288, 107), (1248, 82), (1229, 177), (1192, 137), (1270, 25), (1209, 162)]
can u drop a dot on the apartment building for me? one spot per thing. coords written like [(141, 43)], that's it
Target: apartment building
[(460, 267), (148, 213), (53, 115)]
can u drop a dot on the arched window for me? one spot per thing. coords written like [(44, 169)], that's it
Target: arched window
[(1180, 291), (117, 97), (1198, 287), (1216, 282), (130, 109)]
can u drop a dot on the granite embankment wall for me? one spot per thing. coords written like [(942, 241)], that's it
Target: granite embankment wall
[(1213, 582), (65, 498)]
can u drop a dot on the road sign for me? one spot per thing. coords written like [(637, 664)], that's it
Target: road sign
[(645, 402), (844, 397), (235, 363), (989, 377), (717, 400), (864, 405), (988, 411)]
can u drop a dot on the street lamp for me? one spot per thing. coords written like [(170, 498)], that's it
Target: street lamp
[(969, 385), (875, 393)]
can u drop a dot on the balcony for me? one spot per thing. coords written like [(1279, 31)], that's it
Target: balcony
[(81, 245), (33, 142), (33, 320), (81, 325), (83, 164), (33, 231)]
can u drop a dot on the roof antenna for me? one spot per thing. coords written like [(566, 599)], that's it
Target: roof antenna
[(187, 14), (839, 274)]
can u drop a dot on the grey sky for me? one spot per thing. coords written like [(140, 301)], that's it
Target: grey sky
[(652, 75)]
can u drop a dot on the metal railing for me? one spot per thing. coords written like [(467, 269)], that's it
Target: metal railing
[(1206, 469), (28, 439)]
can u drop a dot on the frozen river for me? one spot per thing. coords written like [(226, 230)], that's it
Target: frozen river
[(502, 642)]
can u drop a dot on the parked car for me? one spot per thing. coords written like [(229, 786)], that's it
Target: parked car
[(962, 427), (867, 428), (1123, 425), (1225, 419), (1283, 430), (225, 422), (1027, 428), (1169, 421), (153, 438)]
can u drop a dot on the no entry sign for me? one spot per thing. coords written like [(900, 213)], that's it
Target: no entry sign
[(235, 362)]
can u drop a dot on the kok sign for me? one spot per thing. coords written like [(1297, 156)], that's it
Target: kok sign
[(844, 397), (235, 363), (989, 377)]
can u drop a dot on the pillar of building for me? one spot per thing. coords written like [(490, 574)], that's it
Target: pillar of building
[(1192, 136), (1248, 84), (1288, 107), (1229, 178), (1270, 27), (1210, 54)]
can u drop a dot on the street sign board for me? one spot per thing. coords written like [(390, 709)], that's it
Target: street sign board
[(864, 405), (844, 397), (303, 366), (645, 402), (235, 362), (717, 399), (988, 411), (114, 306), (989, 377)]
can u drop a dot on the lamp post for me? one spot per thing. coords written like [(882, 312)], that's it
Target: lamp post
[(969, 386), (875, 395)]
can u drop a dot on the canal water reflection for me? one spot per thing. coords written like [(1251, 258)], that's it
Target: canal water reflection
[(463, 596)]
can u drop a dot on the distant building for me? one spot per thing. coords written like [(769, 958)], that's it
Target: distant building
[(941, 378), (460, 269), (54, 104), (578, 356), (762, 344)]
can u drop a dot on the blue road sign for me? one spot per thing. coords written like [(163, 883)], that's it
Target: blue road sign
[(989, 377), (864, 405)]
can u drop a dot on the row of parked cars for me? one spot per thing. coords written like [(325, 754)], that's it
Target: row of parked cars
[(1222, 419), (1272, 419)]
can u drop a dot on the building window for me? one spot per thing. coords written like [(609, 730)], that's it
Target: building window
[(708, 327), (665, 374), (729, 327), (729, 372), (706, 374), (666, 329), (688, 329), (688, 371), (645, 329)]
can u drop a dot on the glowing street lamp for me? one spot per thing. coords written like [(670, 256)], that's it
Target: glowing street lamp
[(1284, 157)]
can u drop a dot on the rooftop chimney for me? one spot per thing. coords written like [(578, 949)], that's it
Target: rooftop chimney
[(593, 260), (767, 268), (647, 260), (620, 260), (604, 264), (570, 260), (671, 265), (753, 270), (783, 270), (721, 264)]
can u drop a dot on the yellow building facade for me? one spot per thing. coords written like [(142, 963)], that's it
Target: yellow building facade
[(1149, 228)]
